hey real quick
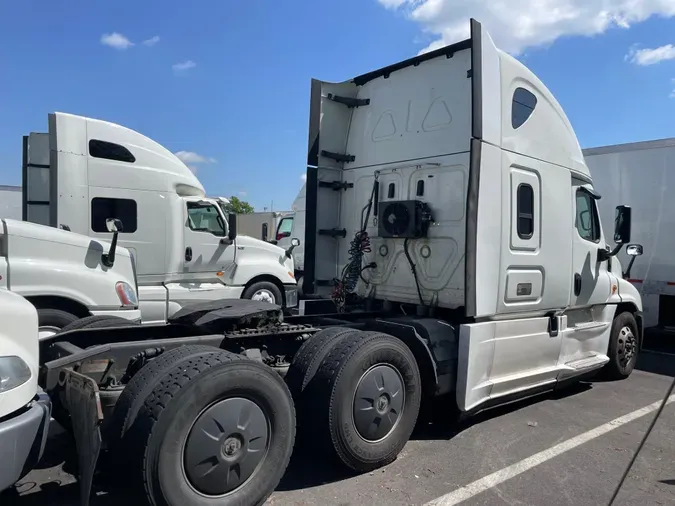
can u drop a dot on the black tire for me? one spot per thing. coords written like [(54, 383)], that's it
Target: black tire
[(304, 366), (273, 289), (334, 392), (98, 322), (623, 343), (56, 318), (162, 444), (309, 357), (141, 385)]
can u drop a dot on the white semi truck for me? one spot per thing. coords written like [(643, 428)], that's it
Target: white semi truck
[(642, 175), (85, 170), (452, 222)]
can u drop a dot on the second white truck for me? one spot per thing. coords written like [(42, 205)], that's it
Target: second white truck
[(86, 170)]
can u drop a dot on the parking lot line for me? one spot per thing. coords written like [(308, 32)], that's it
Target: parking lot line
[(498, 477)]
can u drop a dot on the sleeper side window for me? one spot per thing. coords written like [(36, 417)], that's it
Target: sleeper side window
[(110, 151), (587, 222), (522, 107), (525, 225)]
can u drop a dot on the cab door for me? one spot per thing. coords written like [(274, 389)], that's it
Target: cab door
[(208, 253), (589, 317)]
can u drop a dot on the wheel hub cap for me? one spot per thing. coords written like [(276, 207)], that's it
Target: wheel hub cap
[(264, 295), (378, 402), (225, 446), (627, 348)]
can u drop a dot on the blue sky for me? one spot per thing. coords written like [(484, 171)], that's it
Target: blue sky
[(228, 82)]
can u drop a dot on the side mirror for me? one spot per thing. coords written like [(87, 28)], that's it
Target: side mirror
[(634, 250), (232, 221), (264, 231), (115, 226), (295, 242), (622, 224)]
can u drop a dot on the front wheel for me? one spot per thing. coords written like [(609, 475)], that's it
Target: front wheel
[(51, 321), (623, 347), (265, 291)]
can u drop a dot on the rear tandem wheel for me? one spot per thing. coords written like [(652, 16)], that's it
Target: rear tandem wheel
[(217, 429)]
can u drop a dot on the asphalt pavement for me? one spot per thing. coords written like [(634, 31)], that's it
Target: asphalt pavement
[(566, 448)]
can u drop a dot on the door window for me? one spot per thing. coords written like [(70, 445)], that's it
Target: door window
[(587, 222), (205, 219), (285, 228)]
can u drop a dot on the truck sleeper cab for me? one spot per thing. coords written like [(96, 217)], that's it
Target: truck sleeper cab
[(185, 250), (454, 183)]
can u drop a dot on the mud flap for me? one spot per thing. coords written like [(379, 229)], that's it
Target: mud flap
[(84, 406)]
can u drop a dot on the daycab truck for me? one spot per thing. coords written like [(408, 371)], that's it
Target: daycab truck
[(452, 223), (186, 249)]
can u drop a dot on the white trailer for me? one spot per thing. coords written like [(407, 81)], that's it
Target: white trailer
[(10, 202), (642, 175)]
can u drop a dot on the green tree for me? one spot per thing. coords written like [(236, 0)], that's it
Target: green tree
[(237, 206)]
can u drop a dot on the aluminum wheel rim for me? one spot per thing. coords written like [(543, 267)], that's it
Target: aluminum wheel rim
[(264, 295), (627, 346), (226, 446), (379, 402)]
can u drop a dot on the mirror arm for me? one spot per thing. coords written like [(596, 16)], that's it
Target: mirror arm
[(108, 259), (603, 254), (626, 274)]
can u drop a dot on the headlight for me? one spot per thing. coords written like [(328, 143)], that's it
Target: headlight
[(126, 294), (14, 372)]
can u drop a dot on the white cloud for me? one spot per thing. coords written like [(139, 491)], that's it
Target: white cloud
[(116, 40), (303, 177), (151, 41), (242, 193), (651, 56), (184, 65), (672, 93), (518, 24), (190, 158)]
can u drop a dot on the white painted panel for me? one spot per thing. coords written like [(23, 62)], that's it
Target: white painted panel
[(417, 112), (523, 285), (439, 258), (489, 234), (552, 256)]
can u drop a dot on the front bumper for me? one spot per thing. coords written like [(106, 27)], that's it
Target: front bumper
[(22, 440), (291, 295)]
